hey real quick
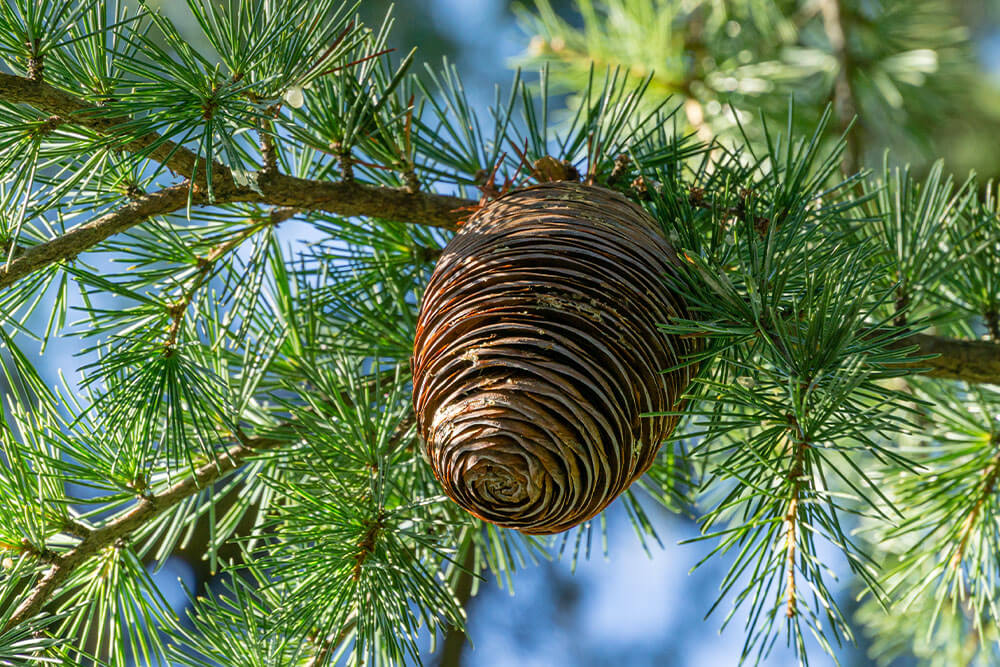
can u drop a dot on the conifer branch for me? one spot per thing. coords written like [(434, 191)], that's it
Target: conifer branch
[(85, 236), (76, 528), (52, 100), (207, 264), (974, 361), (791, 540), (968, 360), (798, 445), (455, 639), (993, 325), (990, 477), (326, 649), (354, 198), (147, 509), (347, 199)]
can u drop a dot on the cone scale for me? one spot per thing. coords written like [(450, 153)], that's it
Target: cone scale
[(537, 350)]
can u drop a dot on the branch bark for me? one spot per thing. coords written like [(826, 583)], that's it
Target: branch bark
[(342, 198), (798, 444), (207, 266), (326, 649), (144, 511), (455, 639), (89, 234), (843, 92), (974, 361), (72, 109), (347, 198)]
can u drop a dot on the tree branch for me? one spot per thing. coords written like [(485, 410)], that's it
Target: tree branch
[(52, 100), (990, 476), (326, 649), (974, 361), (207, 264), (791, 519), (455, 639), (144, 511), (843, 92), (351, 198), (346, 199), (89, 234), (971, 361)]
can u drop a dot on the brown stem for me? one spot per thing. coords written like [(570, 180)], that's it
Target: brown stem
[(974, 361), (366, 546), (207, 263), (352, 198), (992, 318), (791, 516), (144, 511), (902, 303), (268, 147), (52, 100), (326, 649), (843, 94), (89, 234), (989, 483), (76, 528), (455, 640), (798, 445), (346, 199)]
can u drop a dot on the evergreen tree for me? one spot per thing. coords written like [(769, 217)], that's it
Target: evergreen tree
[(845, 326)]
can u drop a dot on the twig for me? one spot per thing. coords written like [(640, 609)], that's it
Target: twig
[(798, 445), (992, 318), (791, 517), (54, 101), (207, 263), (974, 361), (366, 546), (346, 199), (76, 528), (326, 649), (902, 303), (843, 94), (268, 147), (144, 511), (454, 641), (989, 483), (89, 234)]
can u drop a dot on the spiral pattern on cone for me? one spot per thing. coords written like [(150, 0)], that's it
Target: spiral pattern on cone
[(537, 349)]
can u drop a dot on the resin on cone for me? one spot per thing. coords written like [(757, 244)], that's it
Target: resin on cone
[(537, 350)]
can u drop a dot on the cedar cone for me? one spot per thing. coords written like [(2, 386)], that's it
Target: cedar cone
[(537, 349)]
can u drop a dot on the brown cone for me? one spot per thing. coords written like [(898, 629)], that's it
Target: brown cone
[(537, 349)]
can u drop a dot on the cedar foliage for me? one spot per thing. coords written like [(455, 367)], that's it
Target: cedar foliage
[(260, 394)]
